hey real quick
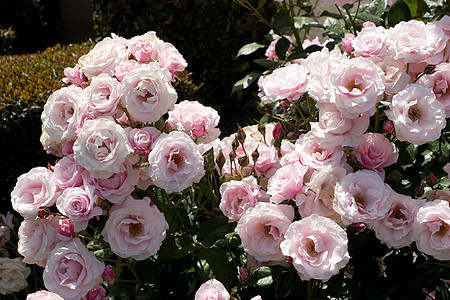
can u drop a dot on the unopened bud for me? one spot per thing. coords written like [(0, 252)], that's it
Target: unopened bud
[(108, 273), (232, 155), (244, 274), (388, 126), (235, 144), (240, 135), (277, 130), (429, 69), (255, 155), (262, 129), (432, 180), (285, 104), (220, 159), (243, 161), (289, 259), (66, 230), (360, 227), (247, 171), (43, 213)]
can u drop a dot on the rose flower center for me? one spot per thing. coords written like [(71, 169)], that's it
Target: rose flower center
[(397, 214), (414, 113), (360, 201), (178, 159), (443, 229), (134, 229), (311, 248)]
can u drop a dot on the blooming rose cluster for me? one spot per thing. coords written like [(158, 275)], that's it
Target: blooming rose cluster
[(110, 130)]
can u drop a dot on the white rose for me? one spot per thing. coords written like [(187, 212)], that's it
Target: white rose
[(13, 275)]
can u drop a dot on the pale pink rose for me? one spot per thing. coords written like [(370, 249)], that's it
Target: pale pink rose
[(6, 224), (135, 228), (50, 146), (270, 52), (439, 82), (175, 162), (290, 158), (371, 43), (289, 82), (142, 50), (103, 95), (414, 41), (262, 228), (431, 229), (73, 75), (239, 196), (395, 76), (109, 273), (376, 152), (97, 293), (148, 38), (34, 190), (268, 161), (361, 197), (78, 204), (356, 86), (66, 230), (103, 58), (444, 24), (318, 247), (286, 182), (148, 93), (62, 112), (142, 139), (170, 58), (124, 67), (212, 290), (72, 270), (318, 195), (447, 169), (347, 42), (196, 120), (418, 117), (333, 129), (307, 42), (395, 229), (37, 237), (13, 275), (68, 173), (252, 133), (315, 156), (115, 188), (101, 147), (43, 295)]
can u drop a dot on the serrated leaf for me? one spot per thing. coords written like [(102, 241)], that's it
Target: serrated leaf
[(282, 47), (213, 229), (399, 12), (249, 48), (246, 81), (268, 64), (369, 17), (417, 6), (219, 265), (376, 8), (280, 20), (300, 22)]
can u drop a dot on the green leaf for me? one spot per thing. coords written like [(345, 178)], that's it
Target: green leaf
[(399, 12), (282, 47), (219, 265), (412, 151), (207, 191), (363, 16), (103, 253), (176, 247), (297, 55), (376, 8), (261, 277), (213, 229), (280, 20), (246, 81), (300, 22), (313, 48), (261, 4), (417, 6), (268, 64), (249, 48), (209, 160)]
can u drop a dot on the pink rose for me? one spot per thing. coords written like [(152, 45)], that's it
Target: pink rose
[(439, 82), (431, 229), (103, 95), (72, 270), (371, 43), (103, 58), (361, 197), (97, 293), (149, 39), (170, 58), (124, 67), (270, 52), (175, 162), (37, 237), (318, 247), (62, 113), (212, 290), (109, 273), (376, 152), (66, 230), (395, 229), (286, 182), (289, 82), (347, 42), (196, 120), (262, 228), (318, 195), (101, 147), (418, 117), (239, 196), (135, 228), (73, 75), (68, 173), (142, 139), (43, 295), (78, 204), (142, 50), (356, 86), (13, 274), (34, 190), (148, 93), (268, 161)]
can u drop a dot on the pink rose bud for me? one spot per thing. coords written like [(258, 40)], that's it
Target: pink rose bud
[(73, 75), (289, 259), (368, 24), (360, 227), (43, 213), (347, 42), (97, 293), (66, 230), (388, 126), (244, 274), (108, 274), (285, 104), (432, 180), (277, 130)]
